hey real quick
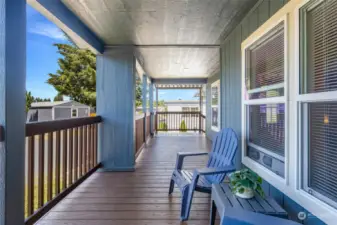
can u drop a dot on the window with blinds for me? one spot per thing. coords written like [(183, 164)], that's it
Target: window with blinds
[(322, 145), (264, 104), (266, 127), (215, 89), (265, 70), (318, 43), (321, 48)]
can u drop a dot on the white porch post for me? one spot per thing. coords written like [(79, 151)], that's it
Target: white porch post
[(144, 93), (144, 103), (116, 82), (151, 106), (12, 110)]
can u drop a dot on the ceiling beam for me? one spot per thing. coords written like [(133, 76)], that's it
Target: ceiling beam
[(65, 19), (165, 46), (181, 81)]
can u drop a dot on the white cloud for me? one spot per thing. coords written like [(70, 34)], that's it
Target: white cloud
[(48, 30)]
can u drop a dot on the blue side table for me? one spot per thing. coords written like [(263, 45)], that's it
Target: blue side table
[(223, 199)]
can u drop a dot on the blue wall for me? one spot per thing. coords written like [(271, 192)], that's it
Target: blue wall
[(231, 87)]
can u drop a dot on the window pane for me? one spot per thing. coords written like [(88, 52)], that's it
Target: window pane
[(74, 113), (322, 141), (215, 119), (265, 66), (320, 71), (266, 127), (215, 95)]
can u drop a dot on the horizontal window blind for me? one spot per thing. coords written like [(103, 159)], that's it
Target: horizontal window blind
[(321, 48), (215, 95), (215, 119), (322, 159), (265, 72), (266, 127)]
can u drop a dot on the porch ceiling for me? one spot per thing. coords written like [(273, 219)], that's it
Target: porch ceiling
[(165, 22)]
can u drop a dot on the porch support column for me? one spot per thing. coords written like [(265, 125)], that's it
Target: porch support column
[(144, 103), (116, 83), (151, 107), (12, 110), (157, 100), (144, 93)]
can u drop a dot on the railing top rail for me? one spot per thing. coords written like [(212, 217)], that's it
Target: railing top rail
[(197, 112), (57, 125)]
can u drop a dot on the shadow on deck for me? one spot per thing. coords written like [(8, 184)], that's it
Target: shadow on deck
[(136, 198)]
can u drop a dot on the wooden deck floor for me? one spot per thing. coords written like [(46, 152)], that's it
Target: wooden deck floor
[(136, 198)]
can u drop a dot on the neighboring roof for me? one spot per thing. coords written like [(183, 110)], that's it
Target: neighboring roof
[(56, 103)]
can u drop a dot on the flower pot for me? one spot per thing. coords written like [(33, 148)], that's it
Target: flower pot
[(248, 193)]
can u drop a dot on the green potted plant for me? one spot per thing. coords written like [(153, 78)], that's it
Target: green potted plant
[(245, 183)]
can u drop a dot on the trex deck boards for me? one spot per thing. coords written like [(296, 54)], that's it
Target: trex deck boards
[(136, 198)]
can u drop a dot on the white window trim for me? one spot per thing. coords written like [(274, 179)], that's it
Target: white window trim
[(216, 83), (291, 186), (317, 206), (72, 112), (277, 180)]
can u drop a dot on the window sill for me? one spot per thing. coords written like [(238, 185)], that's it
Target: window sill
[(215, 129)]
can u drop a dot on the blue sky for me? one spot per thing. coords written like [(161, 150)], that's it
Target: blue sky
[(177, 94), (42, 58)]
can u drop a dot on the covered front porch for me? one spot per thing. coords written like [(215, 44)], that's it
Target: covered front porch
[(140, 197)]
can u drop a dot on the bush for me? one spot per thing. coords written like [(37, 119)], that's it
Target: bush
[(183, 127), (163, 126)]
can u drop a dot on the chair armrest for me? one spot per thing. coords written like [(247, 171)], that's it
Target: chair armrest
[(214, 171), (182, 155)]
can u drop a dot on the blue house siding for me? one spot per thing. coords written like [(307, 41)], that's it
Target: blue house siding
[(231, 89)]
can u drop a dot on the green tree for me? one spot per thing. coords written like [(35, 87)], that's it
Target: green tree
[(58, 97), (76, 76), (139, 99), (41, 99), (29, 100)]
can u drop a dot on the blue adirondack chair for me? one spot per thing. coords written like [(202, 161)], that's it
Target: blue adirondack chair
[(242, 217), (220, 163)]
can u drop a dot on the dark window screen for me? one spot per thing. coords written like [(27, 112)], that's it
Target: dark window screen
[(321, 48), (266, 66), (266, 127), (322, 142)]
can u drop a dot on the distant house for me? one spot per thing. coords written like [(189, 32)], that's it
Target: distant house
[(47, 111), (182, 105)]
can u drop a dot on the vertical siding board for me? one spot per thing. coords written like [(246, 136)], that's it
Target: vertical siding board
[(292, 208), (275, 5), (245, 29), (263, 12), (277, 195), (253, 21)]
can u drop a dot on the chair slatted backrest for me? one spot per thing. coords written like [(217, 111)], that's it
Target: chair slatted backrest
[(223, 153)]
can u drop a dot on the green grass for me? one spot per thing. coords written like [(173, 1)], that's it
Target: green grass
[(36, 188)]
